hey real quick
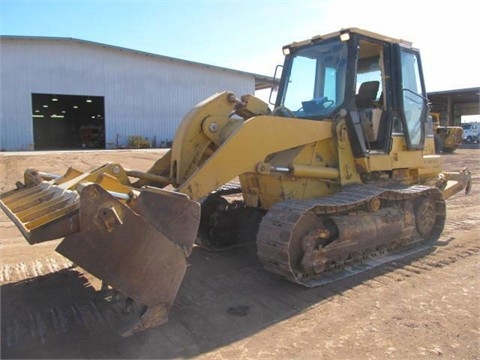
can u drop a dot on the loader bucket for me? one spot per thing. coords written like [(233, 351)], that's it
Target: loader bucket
[(134, 240), (135, 256)]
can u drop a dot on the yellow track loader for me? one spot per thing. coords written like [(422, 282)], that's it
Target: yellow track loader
[(339, 177), (447, 138)]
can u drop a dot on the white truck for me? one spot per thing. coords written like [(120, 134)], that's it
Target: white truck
[(470, 132)]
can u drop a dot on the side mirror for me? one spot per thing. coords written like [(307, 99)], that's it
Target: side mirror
[(276, 80)]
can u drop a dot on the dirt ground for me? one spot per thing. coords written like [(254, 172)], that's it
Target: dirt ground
[(228, 307)]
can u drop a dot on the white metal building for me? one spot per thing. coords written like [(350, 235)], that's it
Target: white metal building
[(63, 93)]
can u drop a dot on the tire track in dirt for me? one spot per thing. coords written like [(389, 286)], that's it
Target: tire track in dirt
[(49, 325), (41, 327), (52, 311), (442, 255), (23, 271)]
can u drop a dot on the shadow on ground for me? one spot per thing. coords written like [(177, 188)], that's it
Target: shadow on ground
[(225, 297)]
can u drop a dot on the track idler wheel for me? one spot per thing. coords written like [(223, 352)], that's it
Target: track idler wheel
[(430, 213), (425, 214)]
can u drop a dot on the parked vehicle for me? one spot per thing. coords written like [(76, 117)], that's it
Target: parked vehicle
[(447, 138), (333, 181), (470, 133)]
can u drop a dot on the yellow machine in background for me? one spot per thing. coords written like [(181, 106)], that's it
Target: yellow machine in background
[(447, 138), (342, 173)]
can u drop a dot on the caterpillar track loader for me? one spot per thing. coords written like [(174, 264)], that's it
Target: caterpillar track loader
[(447, 138), (341, 176)]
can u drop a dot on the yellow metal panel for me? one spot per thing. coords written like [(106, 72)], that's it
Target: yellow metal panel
[(43, 208), (114, 170), (408, 159), (315, 172), (380, 163), (57, 214), (432, 166), (111, 183), (429, 147), (319, 176), (70, 174), (346, 161), (190, 141), (252, 143)]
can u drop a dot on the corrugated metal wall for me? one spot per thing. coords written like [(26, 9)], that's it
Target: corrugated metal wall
[(144, 95)]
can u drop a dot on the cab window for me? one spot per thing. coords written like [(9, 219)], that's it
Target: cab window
[(413, 98)]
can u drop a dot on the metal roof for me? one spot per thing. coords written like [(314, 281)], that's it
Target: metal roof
[(455, 103), (468, 95), (261, 81)]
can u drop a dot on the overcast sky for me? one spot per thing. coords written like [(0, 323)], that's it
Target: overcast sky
[(248, 35)]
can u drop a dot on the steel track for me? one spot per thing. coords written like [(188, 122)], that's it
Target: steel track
[(278, 225)]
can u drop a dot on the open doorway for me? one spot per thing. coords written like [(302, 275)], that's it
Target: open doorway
[(68, 122)]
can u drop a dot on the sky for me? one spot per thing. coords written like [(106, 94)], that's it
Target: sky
[(248, 35)]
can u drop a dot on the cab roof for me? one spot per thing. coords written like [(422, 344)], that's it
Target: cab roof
[(354, 30)]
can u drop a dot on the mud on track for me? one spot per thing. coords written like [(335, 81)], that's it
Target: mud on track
[(228, 307)]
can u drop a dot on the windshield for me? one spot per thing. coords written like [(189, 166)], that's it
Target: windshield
[(316, 83)]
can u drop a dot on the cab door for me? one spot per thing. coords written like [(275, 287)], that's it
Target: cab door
[(413, 99)]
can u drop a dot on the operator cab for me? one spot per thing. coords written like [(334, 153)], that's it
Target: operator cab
[(377, 80)]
